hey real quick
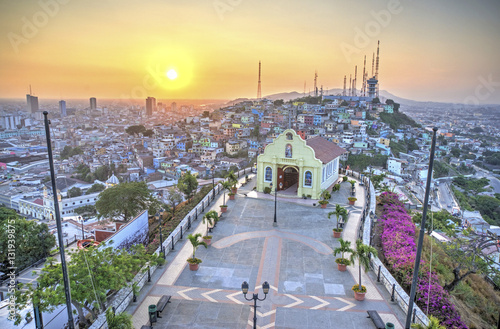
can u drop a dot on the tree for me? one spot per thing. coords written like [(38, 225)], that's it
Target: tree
[(211, 218), (344, 103), (441, 221), (376, 100), (96, 188), (31, 241), (102, 173), (226, 186), (7, 213), (196, 243), (86, 210), (174, 197), (187, 184), (467, 255), (339, 211), (74, 192), (68, 152), (231, 177), (205, 114), (345, 246), (362, 254), (126, 200), (90, 280), (118, 321), (148, 133), (135, 130), (278, 102)]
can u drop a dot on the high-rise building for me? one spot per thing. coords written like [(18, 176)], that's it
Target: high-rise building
[(150, 105), (32, 103), (93, 103), (62, 108)]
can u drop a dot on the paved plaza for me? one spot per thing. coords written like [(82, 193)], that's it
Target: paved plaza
[(307, 290)]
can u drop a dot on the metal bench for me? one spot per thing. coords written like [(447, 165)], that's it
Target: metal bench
[(146, 327), (162, 303), (377, 320)]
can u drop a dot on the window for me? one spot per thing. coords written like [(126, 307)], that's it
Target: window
[(308, 179), (289, 136), (288, 151), (269, 174)]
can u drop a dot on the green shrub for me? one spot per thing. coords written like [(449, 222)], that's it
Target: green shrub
[(267, 190)]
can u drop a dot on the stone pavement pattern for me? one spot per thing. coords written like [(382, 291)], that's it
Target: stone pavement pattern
[(307, 290)]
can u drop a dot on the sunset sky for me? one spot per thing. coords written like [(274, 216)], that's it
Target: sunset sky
[(438, 50)]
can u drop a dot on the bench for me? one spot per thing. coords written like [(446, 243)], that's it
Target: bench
[(377, 320), (162, 303), (146, 327)]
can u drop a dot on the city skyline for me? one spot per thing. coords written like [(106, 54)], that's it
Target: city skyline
[(429, 51)]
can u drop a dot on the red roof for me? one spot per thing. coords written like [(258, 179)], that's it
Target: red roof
[(325, 150), (38, 201)]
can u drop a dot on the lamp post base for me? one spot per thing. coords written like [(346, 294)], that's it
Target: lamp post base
[(275, 224)]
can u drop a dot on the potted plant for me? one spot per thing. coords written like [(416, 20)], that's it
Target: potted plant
[(344, 179), (231, 196), (362, 254), (135, 291), (226, 186), (339, 211), (352, 200), (194, 262), (231, 177), (211, 218), (342, 262), (323, 203), (29, 318)]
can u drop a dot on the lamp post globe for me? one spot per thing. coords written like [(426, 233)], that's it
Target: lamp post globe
[(255, 298)]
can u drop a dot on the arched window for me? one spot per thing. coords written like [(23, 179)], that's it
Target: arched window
[(288, 151), (269, 174), (289, 136), (308, 179)]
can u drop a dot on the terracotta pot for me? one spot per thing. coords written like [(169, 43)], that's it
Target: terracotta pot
[(194, 267), (208, 241), (234, 190), (341, 268), (351, 203), (337, 234), (231, 197), (359, 295), (223, 209), (323, 206)]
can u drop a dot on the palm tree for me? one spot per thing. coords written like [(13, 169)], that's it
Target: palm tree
[(362, 254), (196, 243), (433, 324), (339, 211), (345, 246), (231, 177), (118, 321), (226, 185), (211, 218)]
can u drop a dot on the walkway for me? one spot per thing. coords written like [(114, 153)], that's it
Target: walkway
[(307, 290)]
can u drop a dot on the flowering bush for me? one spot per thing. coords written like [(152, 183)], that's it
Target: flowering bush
[(355, 288), (399, 248)]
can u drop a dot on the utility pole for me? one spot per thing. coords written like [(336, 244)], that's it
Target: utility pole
[(69, 308)]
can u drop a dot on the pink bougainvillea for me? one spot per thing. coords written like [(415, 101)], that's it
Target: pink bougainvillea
[(399, 249)]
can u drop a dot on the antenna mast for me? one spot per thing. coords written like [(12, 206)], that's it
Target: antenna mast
[(259, 92)]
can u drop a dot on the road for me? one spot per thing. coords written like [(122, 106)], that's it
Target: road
[(445, 198), (494, 182)]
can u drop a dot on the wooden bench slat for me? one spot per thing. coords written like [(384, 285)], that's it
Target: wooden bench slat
[(162, 303)]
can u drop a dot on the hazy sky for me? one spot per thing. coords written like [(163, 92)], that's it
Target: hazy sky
[(439, 50)]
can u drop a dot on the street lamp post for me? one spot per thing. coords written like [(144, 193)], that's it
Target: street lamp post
[(213, 181), (275, 223), (83, 234), (255, 297), (161, 235)]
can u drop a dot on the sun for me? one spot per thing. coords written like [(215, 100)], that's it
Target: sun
[(172, 74)]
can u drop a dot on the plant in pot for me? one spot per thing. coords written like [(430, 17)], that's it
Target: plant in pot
[(339, 211), (342, 262), (323, 203), (352, 200), (326, 196), (194, 262), (211, 218), (353, 184), (231, 177), (226, 186), (362, 255), (344, 179)]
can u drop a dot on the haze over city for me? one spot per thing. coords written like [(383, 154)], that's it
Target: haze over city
[(430, 51)]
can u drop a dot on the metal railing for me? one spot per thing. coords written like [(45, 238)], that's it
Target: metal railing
[(124, 296)]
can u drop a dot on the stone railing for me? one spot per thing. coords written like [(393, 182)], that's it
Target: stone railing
[(398, 295)]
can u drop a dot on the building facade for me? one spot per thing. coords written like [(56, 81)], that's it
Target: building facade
[(306, 166)]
